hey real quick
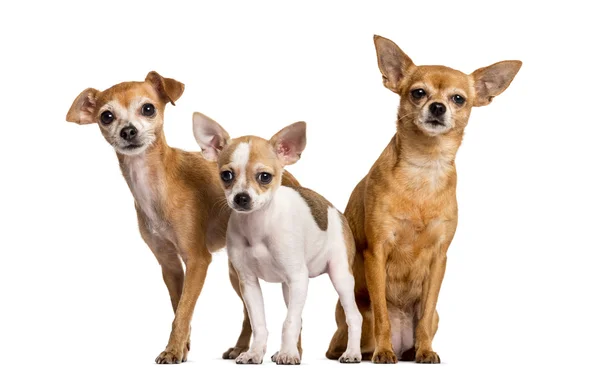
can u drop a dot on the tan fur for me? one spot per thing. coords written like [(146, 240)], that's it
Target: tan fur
[(188, 202), (403, 214)]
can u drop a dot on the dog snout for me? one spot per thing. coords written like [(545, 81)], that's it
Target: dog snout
[(242, 200), (128, 133), (437, 109)]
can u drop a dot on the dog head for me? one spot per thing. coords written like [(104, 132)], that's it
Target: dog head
[(130, 114), (438, 99), (250, 167)]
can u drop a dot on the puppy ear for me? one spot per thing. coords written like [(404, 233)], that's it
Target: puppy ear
[(210, 136), (493, 80), (393, 63), (83, 108), (290, 142), (170, 90)]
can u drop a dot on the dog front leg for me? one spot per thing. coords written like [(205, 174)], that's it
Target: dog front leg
[(253, 299), (375, 274), (196, 269), (427, 324), (243, 341), (289, 353)]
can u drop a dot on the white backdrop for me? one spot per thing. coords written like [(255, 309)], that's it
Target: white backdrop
[(82, 294)]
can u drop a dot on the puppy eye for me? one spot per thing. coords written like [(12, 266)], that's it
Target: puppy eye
[(227, 176), (265, 178), (107, 118), (458, 99), (148, 110), (418, 93)]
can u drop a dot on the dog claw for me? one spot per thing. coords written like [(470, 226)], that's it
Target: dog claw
[(168, 357), (286, 358), (384, 357), (249, 357), (350, 357), (427, 357), (233, 353)]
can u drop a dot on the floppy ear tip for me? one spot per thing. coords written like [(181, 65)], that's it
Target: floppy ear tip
[(151, 75)]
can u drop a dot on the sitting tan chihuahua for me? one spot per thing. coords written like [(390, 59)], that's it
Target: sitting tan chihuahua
[(403, 214), (181, 209)]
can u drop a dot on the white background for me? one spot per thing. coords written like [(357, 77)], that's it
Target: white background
[(82, 295)]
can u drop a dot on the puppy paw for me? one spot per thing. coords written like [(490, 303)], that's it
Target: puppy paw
[(172, 357), (234, 352), (427, 357), (249, 357), (286, 358), (383, 356), (349, 357)]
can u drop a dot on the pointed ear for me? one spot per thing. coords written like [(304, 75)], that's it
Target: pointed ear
[(393, 63), (210, 136), (83, 108), (493, 80), (170, 90), (290, 142)]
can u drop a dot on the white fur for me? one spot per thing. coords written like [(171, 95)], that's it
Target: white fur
[(281, 243)]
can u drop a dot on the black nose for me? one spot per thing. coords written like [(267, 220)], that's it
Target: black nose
[(128, 132), (437, 109), (242, 200)]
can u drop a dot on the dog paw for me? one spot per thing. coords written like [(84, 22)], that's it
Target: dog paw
[(384, 357), (350, 357), (171, 357), (249, 357), (427, 357), (233, 353), (286, 358)]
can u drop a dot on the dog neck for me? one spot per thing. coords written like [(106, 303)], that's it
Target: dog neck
[(426, 158), (145, 174)]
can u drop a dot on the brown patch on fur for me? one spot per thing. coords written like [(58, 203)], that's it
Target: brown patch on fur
[(318, 205)]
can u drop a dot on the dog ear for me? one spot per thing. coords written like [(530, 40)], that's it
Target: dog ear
[(170, 90), (290, 142), (210, 136), (493, 80), (83, 108), (393, 63)]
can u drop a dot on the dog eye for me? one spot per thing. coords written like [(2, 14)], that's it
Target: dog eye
[(227, 176), (265, 178), (148, 110), (418, 93), (107, 118), (458, 99)]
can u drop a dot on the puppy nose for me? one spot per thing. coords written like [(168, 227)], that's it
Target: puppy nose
[(128, 132), (437, 109), (242, 200)]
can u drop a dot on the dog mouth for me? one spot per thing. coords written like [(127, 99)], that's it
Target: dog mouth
[(434, 123), (133, 146)]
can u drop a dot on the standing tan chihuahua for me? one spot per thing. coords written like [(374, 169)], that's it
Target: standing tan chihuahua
[(182, 212), (403, 214)]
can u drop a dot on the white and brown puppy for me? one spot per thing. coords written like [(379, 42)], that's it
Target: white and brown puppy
[(279, 234)]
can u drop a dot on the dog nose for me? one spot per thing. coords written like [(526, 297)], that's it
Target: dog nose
[(242, 200), (128, 132), (437, 109)]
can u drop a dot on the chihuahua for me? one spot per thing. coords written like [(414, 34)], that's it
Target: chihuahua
[(280, 234), (180, 206), (403, 214)]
